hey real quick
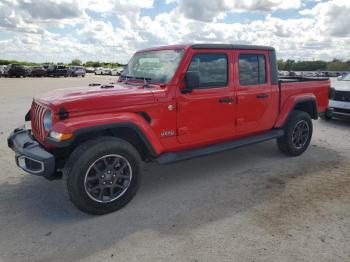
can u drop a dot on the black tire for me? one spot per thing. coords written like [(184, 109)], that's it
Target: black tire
[(77, 168), (289, 144)]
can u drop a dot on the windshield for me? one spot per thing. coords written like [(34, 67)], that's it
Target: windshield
[(346, 78), (157, 66)]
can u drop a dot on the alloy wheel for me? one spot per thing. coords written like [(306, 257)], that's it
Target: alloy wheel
[(108, 178)]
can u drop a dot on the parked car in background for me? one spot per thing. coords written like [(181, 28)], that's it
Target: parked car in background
[(2, 70), (296, 73), (106, 71), (102, 71), (310, 74), (283, 73), (321, 74), (98, 71), (339, 104), (90, 70), (343, 75), (28, 69), (76, 71), (15, 70), (46, 65), (57, 71), (332, 74), (116, 71), (38, 71)]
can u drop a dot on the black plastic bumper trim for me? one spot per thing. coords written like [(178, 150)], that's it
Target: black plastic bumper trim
[(24, 145)]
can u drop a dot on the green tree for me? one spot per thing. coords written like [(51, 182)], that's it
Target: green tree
[(289, 65), (338, 66), (92, 64), (76, 62), (281, 64), (309, 66)]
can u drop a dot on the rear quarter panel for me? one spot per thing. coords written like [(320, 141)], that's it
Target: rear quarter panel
[(294, 92)]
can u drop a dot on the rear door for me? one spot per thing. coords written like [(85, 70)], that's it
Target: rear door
[(255, 99), (206, 114)]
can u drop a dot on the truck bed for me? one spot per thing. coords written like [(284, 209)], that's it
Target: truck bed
[(288, 79), (317, 87)]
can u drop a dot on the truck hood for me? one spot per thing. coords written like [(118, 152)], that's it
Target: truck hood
[(99, 97), (341, 85)]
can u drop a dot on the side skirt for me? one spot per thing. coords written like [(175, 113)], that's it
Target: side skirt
[(168, 158)]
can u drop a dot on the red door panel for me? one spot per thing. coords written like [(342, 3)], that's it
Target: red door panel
[(257, 100), (202, 117), (207, 114)]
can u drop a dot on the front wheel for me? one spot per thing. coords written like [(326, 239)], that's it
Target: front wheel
[(297, 134), (102, 175)]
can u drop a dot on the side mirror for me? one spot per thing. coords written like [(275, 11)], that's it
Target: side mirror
[(192, 80)]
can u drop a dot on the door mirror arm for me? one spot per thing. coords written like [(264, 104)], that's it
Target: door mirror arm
[(186, 90), (192, 81)]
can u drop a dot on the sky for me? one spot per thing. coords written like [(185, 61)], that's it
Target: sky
[(112, 30)]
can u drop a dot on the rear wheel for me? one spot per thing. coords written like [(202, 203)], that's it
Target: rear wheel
[(297, 134), (102, 175)]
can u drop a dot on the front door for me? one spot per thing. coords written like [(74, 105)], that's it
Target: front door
[(207, 113)]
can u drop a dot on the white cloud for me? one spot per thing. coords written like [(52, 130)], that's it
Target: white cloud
[(332, 17), (117, 28), (209, 10)]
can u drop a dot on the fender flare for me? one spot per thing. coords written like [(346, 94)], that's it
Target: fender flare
[(84, 125), (291, 103)]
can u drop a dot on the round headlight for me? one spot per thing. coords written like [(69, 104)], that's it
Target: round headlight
[(48, 120)]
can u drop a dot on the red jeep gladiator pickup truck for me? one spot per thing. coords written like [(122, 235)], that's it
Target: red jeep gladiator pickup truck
[(171, 103)]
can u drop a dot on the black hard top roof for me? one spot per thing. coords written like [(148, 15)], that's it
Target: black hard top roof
[(232, 46)]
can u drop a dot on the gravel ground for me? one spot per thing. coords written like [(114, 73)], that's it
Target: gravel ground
[(250, 204)]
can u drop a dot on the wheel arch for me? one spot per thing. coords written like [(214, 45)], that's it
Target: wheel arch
[(307, 104), (126, 131), (145, 144)]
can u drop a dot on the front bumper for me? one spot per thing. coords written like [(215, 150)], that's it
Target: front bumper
[(30, 155), (339, 108)]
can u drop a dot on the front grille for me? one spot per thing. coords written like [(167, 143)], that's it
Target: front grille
[(343, 96), (342, 110), (37, 117)]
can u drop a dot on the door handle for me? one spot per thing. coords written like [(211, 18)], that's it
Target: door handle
[(262, 95), (226, 100)]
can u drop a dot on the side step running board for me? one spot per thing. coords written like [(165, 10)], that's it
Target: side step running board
[(168, 158)]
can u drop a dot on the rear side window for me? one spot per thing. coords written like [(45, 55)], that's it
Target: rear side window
[(252, 69), (212, 69)]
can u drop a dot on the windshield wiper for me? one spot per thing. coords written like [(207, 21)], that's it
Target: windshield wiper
[(126, 79), (145, 79)]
